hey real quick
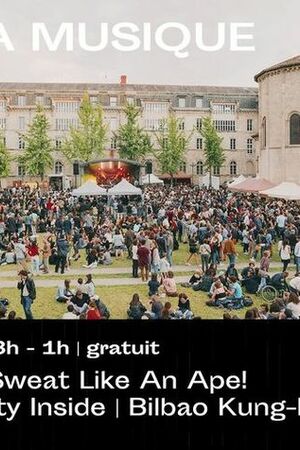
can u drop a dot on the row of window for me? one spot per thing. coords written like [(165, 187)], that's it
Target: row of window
[(233, 167), (58, 169), (294, 125)]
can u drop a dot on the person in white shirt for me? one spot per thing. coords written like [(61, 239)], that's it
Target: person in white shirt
[(135, 264), (295, 283), (280, 222), (297, 254), (294, 305), (70, 315), (284, 250)]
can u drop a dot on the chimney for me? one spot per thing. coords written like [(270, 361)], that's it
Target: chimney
[(123, 80)]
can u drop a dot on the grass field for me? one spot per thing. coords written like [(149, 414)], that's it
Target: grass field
[(116, 298)]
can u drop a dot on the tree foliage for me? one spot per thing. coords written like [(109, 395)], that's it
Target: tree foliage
[(172, 145), (86, 142), (4, 158), (213, 151), (132, 141), (37, 156)]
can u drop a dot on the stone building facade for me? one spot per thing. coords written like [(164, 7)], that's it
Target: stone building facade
[(279, 121), (234, 111)]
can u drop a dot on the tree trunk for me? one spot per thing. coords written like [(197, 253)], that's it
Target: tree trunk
[(210, 178)]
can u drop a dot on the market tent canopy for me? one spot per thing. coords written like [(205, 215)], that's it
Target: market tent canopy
[(252, 185), (285, 190), (151, 179), (237, 180), (90, 188), (124, 188)]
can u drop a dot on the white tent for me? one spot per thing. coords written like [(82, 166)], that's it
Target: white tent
[(90, 188), (285, 190), (237, 180), (151, 179), (124, 188), (215, 181)]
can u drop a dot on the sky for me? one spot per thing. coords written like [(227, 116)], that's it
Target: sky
[(276, 38)]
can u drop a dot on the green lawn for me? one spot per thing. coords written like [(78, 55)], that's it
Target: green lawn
[(116, 298)]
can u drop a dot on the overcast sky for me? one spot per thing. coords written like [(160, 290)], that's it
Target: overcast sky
[(276, 37)]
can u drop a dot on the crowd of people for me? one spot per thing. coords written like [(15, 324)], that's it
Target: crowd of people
[(43, 233)]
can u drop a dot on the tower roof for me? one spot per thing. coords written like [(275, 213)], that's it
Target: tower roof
[(288, 63)]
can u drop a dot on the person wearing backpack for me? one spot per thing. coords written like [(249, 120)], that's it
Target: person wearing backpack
[(28, 293)]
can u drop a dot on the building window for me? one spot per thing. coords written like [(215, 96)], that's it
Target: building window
[(224, 125), (182, 167), (156, 107), (181, 102), (66, 124), (199, 143), (58, 167), (165, 143), (199, 124), (3, 123), (249, 125), (148, 167), (113, 143), (2, 106), (130, 101), (295, 129), (21, 100), (21, 143), (182, 143), (264, 133), (67, 107), (199, 168), (181, 125), (58, 143), (232, 144), (199, 102), (21, 171), (223, 108), (249, 146), (233, 168), (21, 123), (40, 100), (113, 102), (93, 99), (154, 124), (216, 171)]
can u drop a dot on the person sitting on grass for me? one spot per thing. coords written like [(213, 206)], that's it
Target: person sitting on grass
[(92, 260), (252, 282), (279, 281), (218, 294), (249, 270), (234, 294), (206, 281), (70, 314), (153, 285), (264, 311), (183, 308), (156, 308), (169, 285), (231, 271), (195, 279), (136, 308), (80, 301), (167, 312), (93, 312), (64, 293), (293, 305)]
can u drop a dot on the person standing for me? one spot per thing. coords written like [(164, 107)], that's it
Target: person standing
[(135, 262), (297, 254), (62, 253), (284, 253), (28, 293), (143, 254)]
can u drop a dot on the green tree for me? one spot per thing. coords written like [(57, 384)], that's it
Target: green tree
[(213, 151), (88, 140), (4, 159), (172, 145), (37, 156), (132, 141)]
